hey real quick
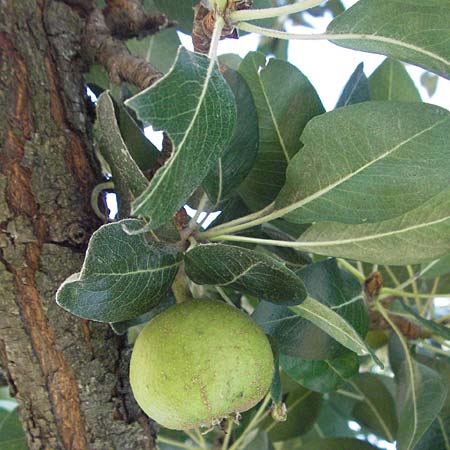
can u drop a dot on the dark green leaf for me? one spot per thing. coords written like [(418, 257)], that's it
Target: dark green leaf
[(421, 393), (97, 78), (129, 181), (293, 258), (159, 49), (12, 436), (319, 375), (338, 444), (239, 155), (419, 235), (296, 336), (437, 436), (377, 410), (356, 90), (181, 11), (140, 148), (196, 108), (365, 163), (122, 327), (274, 47), (413, 31), (391, 81), (244, 270), (230, 60), (123, 275), (284, 108), (257, 440)]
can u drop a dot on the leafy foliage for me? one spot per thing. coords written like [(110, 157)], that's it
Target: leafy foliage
[(196, 108), (123, 275), (367, 182)]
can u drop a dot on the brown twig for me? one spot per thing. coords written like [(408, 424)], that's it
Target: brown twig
[(102, 47), (128, 18)]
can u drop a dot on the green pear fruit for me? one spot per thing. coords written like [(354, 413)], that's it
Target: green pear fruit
[(198, 362)]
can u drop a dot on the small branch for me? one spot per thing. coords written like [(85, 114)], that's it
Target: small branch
[(128, 18), (102, 47)]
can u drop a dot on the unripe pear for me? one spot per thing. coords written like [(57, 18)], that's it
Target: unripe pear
[(198, 362)]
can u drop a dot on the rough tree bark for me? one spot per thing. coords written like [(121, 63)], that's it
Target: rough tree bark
[(66, 373)]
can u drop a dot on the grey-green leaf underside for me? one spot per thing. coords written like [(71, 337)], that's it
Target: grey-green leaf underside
[(391, 81), (368, 162), (123, 275), (195, 107), (129, 181), (419, 235), (413, 31), (421, 393), (245, 270)]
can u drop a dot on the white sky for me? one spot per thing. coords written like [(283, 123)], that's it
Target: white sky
[(327, 66)]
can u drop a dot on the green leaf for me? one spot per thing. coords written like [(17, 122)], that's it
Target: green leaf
[(303, 407), (421, 393), (239, 155), (244, 270), (377, 410), (196, 108), (257, 440), (12, 436), (413, 31), (123, 276), (122, 327), (181, 11), (332, 323), (437, 436), (440, 268), (293, 258), (159, 49), (144, 153), (338, 291), (366, 163), (129, 181), (230, 60), (356, 90), (338, 444), (283, 111), (419, 235), (430, 82), (274, 47), (319, 375), (391, 81)]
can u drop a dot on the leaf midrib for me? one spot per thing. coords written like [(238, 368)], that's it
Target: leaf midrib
[(351, 338), (134, 272), (272, 115), (293, 206), (372, 236), (177, 150)]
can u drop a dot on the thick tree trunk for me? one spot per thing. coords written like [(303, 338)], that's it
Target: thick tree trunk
[(66, 373)]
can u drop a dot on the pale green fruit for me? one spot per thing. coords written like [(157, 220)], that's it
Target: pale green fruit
[(198, 362)]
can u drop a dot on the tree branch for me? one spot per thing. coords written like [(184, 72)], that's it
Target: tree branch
[(128, 18), (102, 47)]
